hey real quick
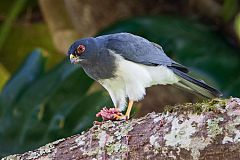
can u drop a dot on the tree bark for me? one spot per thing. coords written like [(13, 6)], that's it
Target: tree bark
[(209, 130)]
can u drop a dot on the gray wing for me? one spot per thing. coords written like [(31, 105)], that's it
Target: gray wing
[(174, 64), (139, 50)]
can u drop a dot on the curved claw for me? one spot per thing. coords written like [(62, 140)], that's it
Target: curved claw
[(120, 118)]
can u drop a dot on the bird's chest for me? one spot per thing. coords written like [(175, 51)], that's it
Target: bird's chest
[(100, 68)]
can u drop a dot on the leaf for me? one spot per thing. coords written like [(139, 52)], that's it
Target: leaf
[(77, 119), (24, 39), (14, 12), (4, 74), (79, 113), (40, 93), (230, 8), (237, 25), (70, 90), (32, 68)]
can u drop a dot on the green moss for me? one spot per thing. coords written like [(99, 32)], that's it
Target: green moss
[(198, 108), (213, 127), (116, 147), (112, 143)]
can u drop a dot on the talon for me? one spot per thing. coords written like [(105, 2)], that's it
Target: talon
[(116, 116), (120, 117)]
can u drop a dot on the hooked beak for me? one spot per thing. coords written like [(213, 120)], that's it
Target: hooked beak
[(74, 59)]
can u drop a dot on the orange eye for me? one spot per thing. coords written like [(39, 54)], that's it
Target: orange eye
[(80, 49)]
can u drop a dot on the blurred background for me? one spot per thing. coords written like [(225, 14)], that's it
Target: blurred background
[(43, 97)]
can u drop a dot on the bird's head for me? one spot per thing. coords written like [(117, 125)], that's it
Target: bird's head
[(82, 50)]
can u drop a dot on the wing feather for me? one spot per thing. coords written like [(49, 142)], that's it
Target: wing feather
[(139, 50)]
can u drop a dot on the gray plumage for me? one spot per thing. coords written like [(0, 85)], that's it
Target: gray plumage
[(124, 62), (136, 49)]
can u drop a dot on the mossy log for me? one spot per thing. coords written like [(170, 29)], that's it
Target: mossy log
[(207, 130)]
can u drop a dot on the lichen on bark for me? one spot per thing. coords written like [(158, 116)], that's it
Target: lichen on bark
[(206, 130)]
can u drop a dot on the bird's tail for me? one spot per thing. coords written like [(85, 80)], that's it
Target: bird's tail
[(196, 86)]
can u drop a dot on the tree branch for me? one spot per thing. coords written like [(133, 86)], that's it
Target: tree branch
[(208, 130)]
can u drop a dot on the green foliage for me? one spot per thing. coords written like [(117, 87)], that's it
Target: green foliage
[(230, 8), (37, 107), (237, 25), (14, 12), (22, 40), (209, 56), (4, 74), (20, 33)]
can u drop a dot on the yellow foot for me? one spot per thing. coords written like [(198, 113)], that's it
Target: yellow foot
[(120, 118)]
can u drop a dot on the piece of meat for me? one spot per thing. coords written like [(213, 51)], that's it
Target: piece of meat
[(109, 114)]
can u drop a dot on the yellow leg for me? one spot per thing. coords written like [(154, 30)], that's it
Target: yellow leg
[(129, 108), (127, 115)]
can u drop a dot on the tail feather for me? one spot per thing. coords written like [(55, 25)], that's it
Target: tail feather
[(196, 86)]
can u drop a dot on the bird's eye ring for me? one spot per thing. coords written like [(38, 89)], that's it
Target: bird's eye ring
[(80, 49)]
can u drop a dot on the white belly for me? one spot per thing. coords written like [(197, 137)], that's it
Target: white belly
[(131, 79)]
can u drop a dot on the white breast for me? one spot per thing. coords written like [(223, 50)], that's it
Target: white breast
[(131, 79)]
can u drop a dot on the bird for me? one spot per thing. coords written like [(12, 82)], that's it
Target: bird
[(126, 64)]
